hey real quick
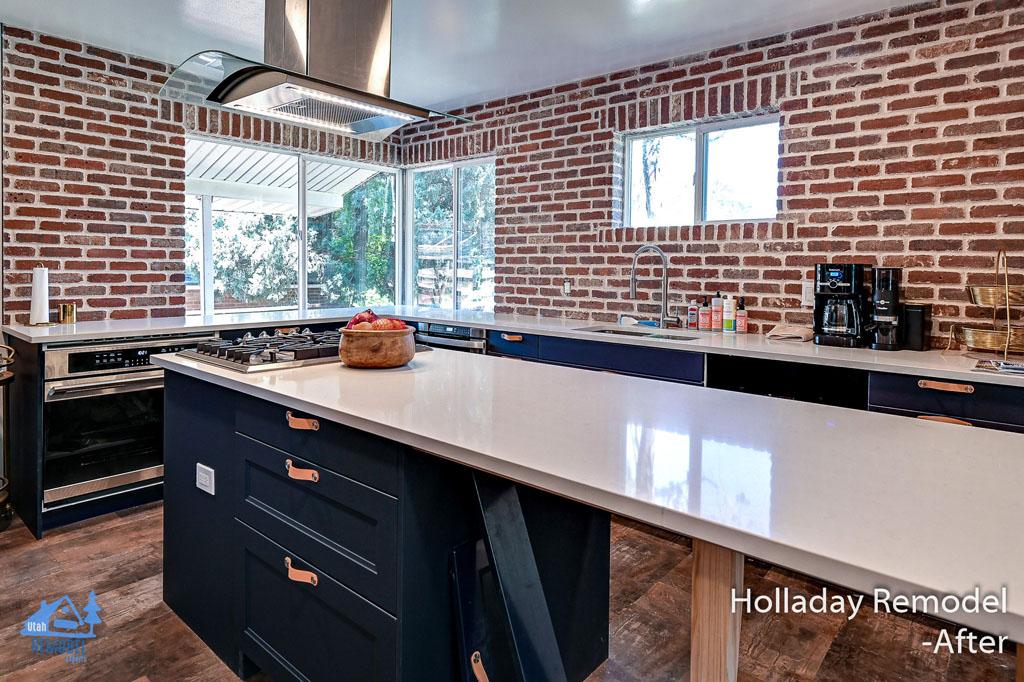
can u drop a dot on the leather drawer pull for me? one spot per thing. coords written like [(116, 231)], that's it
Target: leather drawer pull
[(944, 420), (298, 576), (301, 474), (512, 338), (477, 664), (945, 386), (302, 423)]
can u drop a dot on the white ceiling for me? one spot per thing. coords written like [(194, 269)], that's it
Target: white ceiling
[(449, 53)]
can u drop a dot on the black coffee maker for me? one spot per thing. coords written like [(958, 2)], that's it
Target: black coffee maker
[(886, 311), (841, 304)]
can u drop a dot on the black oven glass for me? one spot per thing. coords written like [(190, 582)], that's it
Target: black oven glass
[(93, 437)]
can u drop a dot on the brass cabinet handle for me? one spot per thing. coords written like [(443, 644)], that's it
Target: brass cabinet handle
[(947, 386), (302, 423), (512, 338), (944, 420), (294, 574), (301, 474)]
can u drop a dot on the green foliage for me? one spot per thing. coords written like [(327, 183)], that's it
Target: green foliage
[(255, 258), (352, 250)]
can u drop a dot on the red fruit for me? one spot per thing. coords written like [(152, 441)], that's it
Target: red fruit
[(381, 324), (365, 316), (397, 324), (363, 326)]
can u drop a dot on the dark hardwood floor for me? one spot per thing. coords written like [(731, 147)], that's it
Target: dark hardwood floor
[(119, 557)]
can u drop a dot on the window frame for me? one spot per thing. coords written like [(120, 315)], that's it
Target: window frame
[(206, 285), (700, 177), (409, 285)]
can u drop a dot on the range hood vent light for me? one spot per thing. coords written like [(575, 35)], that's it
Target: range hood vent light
[(341, 104)]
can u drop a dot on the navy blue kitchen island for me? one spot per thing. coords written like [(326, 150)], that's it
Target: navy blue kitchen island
[(328, 553)]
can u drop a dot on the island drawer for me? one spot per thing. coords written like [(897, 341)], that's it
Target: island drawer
[(298, 623), (967, 400), (350, 452), (348, 529), (512, 343), (657, 363)]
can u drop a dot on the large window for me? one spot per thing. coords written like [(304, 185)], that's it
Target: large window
[(452, 243), (247, 247), (705, 173)]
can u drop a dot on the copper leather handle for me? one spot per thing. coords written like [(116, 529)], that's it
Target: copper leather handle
[(944, 420), (302, 423), (946, 386), (301, 474), (513, 338), (294, 574), (477, 664)]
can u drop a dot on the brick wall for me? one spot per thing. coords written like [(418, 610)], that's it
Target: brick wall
[(902, 144), (93, 175)]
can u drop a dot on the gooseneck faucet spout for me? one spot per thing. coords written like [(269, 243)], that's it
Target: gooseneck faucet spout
[(651, 248)]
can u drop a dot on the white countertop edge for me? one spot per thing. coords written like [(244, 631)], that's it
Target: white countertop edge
[(931, 363), (841, 573)]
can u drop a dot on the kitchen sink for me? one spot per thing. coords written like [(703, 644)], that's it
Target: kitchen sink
[(644, 332)]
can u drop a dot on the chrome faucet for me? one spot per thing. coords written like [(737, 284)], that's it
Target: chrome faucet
[(665, 320)]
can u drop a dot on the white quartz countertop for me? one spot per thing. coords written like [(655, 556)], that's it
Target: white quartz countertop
[(862, 499), (949, 365)]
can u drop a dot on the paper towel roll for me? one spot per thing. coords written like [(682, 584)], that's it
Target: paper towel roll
[(39, 313)]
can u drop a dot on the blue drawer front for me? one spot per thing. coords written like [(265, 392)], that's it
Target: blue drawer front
[(512, 343), (990, 403), (658, 363)]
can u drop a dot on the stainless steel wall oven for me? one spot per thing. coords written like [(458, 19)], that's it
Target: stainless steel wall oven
[(89, 429)]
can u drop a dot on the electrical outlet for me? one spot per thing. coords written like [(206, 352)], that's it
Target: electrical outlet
[(566, 286), (205, 478), (807, 294)]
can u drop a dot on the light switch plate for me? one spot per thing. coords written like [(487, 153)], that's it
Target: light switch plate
[(807, 294), (205, 480), (566, 287)]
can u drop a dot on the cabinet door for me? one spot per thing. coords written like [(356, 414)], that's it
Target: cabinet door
[(656, 363), (512, 343), (987, 405), (348, 529), (296, 630)]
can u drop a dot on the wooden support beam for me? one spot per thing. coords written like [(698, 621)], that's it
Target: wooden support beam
[(714, 628), (1020, 663)]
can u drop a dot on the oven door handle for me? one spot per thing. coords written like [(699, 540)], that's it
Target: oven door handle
[(68, 391), (448, 342)]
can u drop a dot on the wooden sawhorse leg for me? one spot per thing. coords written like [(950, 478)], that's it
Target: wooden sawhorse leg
[(714, 628)]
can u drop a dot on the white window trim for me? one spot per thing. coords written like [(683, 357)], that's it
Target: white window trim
[(206, 287), (456, 221), (700, 131)]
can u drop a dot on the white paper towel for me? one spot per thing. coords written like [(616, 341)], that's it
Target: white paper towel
[(39, 313)]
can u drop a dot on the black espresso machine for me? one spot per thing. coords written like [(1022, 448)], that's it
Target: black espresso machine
[(842, 307)]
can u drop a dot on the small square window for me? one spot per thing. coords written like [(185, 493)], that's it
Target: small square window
[(661, 188), (712, 172), (742, 173)]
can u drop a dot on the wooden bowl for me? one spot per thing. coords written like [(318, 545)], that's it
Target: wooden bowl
[(375, 349)]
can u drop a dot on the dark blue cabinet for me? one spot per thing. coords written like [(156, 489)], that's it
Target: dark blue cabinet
[(298, 623), (644, 361), (374, 521), (512, 344), (986, 405)]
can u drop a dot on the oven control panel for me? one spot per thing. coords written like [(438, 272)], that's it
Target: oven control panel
[(120, 358)]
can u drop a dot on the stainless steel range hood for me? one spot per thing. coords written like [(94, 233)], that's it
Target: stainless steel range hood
[(328, 67)]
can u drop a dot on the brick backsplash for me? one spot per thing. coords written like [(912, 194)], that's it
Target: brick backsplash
[(94, 179), (902, 144)]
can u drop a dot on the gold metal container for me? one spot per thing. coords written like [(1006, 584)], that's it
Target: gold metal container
[(67, 313)]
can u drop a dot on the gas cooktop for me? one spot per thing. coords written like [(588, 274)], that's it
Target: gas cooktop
[(265, 352)]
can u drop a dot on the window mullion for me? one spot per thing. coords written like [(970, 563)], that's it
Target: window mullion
[(456, 234), (303, 274), (700, 176), (206, 274)]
